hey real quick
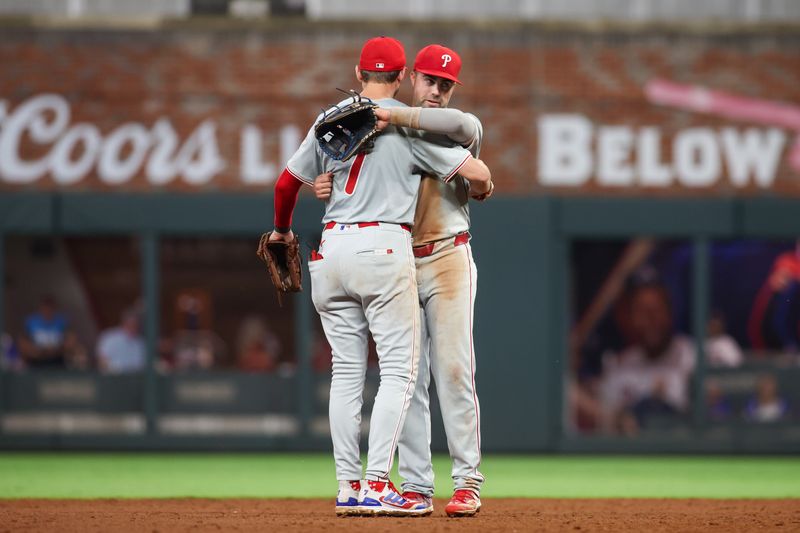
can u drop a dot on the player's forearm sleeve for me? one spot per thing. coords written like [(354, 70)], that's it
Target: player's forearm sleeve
[(286, 189), (451, 122)]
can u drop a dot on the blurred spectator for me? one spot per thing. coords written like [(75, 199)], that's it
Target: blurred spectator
[(586, 409), (122, 349), (719, 407), (194, 346), (48, 341), (651, 377), (9, 354), (721, 349), (196, 350), (773, 321), (766, 405), (257, 347)]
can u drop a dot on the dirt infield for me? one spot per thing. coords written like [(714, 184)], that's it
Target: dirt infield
[(317, 515)]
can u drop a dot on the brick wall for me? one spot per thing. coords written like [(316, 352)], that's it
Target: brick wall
[(146, 85)]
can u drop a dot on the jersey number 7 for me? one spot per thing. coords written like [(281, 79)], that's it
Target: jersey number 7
[(355, 171)]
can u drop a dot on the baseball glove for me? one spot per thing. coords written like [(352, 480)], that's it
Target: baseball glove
[(348, 129), (283, 263)]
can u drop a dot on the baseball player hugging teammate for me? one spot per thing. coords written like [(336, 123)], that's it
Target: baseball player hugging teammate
[(446, 279), (364, 280)]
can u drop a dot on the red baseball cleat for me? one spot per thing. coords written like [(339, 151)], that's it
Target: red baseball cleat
[(427, 501), (463, 503)]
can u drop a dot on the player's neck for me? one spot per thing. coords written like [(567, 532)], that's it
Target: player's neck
[(376, 91)]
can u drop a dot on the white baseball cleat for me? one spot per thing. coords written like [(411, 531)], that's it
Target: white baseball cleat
[(347, 498), (381, 498)]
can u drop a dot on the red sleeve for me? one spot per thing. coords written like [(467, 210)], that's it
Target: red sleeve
[(286, 189)]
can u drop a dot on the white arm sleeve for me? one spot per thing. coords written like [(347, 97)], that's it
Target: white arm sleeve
[(451, 122), (460, 127)]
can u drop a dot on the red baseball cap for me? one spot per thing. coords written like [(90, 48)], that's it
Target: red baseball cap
[(382, 54), (438, 60)]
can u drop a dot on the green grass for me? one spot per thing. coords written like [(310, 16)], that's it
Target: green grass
[(116, 475)]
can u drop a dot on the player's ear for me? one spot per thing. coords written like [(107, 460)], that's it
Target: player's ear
[(413, 77), (358, 74), (402, 74)]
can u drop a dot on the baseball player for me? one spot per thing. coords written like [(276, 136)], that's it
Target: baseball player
[(446, 277), (364, 280)]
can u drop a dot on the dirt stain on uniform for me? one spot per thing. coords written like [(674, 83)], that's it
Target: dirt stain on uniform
[(430, 223), (451, 274), (451, 271), (428, 220)]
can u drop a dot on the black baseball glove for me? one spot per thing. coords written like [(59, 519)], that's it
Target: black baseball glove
[(348, 129)]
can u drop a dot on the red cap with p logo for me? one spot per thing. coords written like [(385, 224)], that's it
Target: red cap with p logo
[(438, 60), (382, 54)]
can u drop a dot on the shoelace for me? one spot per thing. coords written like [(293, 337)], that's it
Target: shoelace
[(414, 496), (378, 486), (463, 496)]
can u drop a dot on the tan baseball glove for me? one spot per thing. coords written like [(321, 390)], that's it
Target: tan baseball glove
[(283, 263)]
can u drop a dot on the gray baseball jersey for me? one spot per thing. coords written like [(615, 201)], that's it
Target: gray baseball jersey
[(443, 206), (380, 185)]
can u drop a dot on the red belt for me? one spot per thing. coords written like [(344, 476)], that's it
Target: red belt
[(331, 225), (427, 249)]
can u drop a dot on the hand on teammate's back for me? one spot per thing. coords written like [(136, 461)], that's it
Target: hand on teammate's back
[(383, 115), (323, 185)]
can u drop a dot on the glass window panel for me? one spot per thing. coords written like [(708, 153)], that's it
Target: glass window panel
[(228, 364), (631, 351), (72, 347)]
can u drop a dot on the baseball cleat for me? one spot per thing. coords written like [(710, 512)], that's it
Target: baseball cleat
[(347, 498), (422, 499), (463, 503), (381, 498)]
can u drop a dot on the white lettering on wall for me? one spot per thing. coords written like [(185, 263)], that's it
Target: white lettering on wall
[(112, 168), (254, 169), (565, 155), (613, 153), (290, 142), (569, 144), (162, 165), (652, 172), (752, 153), (572, 151), (697, 159), (31, 118), (199, 158), (82, 141), (72, 151)]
